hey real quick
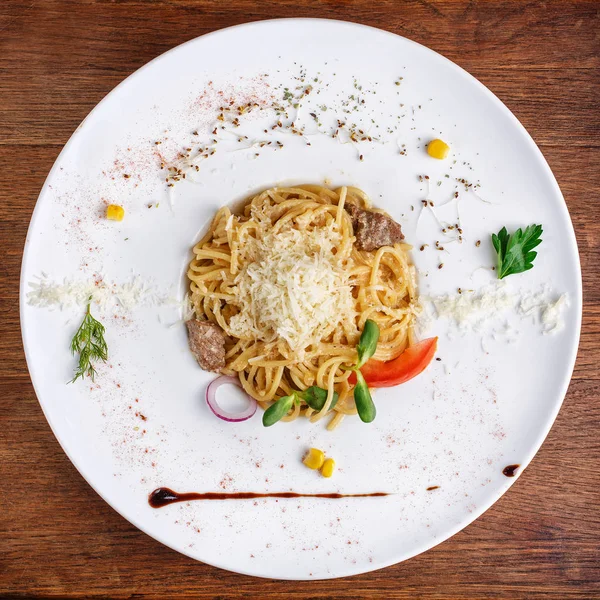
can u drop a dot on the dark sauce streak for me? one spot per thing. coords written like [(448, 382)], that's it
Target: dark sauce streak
[(164, 496), (510, 470), (433, 487)]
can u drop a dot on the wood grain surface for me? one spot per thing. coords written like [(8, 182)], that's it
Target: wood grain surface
[(58, 538)]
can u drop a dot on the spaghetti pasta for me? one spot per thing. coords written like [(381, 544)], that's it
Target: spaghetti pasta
[(291, 291)]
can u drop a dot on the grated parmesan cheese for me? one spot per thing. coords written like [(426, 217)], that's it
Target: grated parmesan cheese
[(46, 293), (549, 312), (484, 309), (470, 310), (292, 286)]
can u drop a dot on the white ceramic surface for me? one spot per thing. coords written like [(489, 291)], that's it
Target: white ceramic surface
[(487, 404)]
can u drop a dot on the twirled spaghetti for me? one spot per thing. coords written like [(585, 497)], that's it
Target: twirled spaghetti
[(290, 289)]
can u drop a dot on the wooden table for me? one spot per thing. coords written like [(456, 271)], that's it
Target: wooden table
[(58, 59)]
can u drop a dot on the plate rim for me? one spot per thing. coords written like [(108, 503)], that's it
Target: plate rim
[(577, 302)]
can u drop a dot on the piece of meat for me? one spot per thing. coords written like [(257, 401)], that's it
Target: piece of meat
[(373, 230), (207, 343)]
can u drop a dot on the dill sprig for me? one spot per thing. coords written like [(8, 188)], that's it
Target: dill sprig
[(90, 344)]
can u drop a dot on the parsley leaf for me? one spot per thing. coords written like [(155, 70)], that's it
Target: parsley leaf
[(515, 251)]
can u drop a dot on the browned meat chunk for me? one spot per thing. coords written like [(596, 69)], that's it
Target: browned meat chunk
[(373, 230), (207, 343)]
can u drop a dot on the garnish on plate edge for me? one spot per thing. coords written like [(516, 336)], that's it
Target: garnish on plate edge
[(90, 344), (515, 251)]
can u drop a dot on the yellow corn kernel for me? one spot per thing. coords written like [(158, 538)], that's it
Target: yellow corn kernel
[(115, 212), (438, 149), (328, 467), (314, 459)]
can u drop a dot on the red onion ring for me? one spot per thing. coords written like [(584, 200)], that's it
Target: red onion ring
[(211, 400)]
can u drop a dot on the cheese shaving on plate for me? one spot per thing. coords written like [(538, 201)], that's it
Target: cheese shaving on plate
[(484, 309), (46, 293)]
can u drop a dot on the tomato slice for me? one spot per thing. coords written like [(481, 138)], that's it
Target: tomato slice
[(409, 364)]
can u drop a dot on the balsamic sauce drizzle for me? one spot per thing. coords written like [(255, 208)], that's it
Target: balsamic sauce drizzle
[(163, 496), (510, 470)]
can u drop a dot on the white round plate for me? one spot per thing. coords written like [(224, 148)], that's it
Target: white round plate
[(488, 403)]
